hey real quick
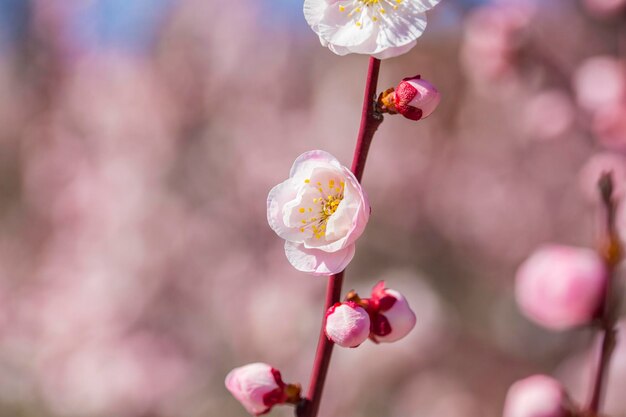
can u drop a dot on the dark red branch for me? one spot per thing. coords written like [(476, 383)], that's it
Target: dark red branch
[(611, 252), (322, 356), (370, 120)]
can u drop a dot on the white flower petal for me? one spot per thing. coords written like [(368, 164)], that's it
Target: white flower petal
[(339, 50), (423, 5), (306, 162), (341, 30), (314, 11), (298, 219), (400, 29), (318, 262), (276, 200), (396, 51)]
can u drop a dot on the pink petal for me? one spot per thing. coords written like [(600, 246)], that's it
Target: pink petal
[(316, 261)]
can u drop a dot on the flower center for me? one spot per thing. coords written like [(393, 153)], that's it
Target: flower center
[(327, 203), (376, 13), (331, 204)]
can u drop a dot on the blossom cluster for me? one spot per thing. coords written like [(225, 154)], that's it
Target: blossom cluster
[(385, 317)]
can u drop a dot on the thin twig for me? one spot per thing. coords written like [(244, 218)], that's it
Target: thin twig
[(611, 251)]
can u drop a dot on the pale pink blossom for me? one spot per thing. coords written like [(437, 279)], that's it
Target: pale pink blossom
[(537, 396), (381, 28), (392, 318), (257, 386), (492, 38), (416, 98), (320, 211), (549, 114), (347, 324), (604, 8), (609, 126), (560, 287), (599, 82)]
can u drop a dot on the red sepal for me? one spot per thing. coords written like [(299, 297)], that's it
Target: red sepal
[(405, 93), (276, 396), (381, 326), (381, 301)]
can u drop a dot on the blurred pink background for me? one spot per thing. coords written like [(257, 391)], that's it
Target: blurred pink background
[(138, 142)]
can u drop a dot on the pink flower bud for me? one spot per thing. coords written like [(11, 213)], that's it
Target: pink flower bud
[(347, 324), (416, 98), (392, 318), (537, 396), (257, 386), (560, 287)]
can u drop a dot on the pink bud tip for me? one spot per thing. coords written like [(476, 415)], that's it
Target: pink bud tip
[(257, 386), (392, 318), (416, 98), (559, 287), (347, 324), (537, 396)]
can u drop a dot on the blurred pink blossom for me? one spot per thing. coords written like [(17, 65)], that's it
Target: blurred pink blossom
[(604, 8), (125, 377), (600, 82), (491, 39), (560, 286), (537, 396), (436, 393), (609, 126), (549, 114), (320, 211)]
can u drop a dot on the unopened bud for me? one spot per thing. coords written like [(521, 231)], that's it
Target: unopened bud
[(414, 98), (560, 287), (537, 396), (259, 387), (392, 318), (347, 324)]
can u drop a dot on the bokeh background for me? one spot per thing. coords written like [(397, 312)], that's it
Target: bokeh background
[(139, 140)]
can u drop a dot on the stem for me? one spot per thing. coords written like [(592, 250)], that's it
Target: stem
[(322, 356), (370, 120), (611, 252)]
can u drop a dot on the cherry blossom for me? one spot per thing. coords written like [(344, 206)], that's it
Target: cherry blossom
[(381, 28), (560, 287), (537, 396), (258, 387), (320, 211)]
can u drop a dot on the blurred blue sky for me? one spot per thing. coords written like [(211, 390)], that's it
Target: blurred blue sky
[(131, 24), (126, 24)]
